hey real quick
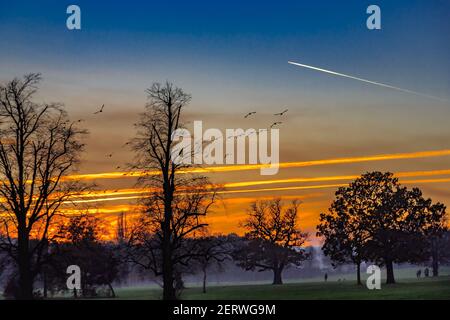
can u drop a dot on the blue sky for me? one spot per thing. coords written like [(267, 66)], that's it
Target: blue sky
[(232, 57), (255, 37)]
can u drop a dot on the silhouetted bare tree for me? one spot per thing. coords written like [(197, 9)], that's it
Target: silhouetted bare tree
[(274, 238), (121, 230), (178, 200), (38, 146), (146, 239), (211, 250), (4, 260)]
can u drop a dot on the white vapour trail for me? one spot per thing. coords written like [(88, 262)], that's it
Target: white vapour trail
[(367, 81)]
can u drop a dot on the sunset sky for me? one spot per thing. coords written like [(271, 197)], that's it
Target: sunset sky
[(232, 57)]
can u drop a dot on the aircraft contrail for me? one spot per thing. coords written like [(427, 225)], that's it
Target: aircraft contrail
[(368, 81)]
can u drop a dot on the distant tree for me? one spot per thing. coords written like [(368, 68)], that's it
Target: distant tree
[(121, 231), (211, 251), (273, 237), (174, 207), (38, 146), (80, 244), (5, 262), (121, 248), (439, 248), (438, 240), (387, 222)]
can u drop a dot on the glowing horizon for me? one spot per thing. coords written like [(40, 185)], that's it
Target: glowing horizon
[(133, 192)]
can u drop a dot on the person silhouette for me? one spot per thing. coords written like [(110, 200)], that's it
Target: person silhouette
[(325, 277), (427, 272), (418, 273)]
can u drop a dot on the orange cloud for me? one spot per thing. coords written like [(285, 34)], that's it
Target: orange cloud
[(130, 194), (230, 168)]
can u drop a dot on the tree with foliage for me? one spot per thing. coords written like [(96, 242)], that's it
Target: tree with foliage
[(79, 243), (344, 239), (273, 237), (438, 246), (380, 221), (38, 146)]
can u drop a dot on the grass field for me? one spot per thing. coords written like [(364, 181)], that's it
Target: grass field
[(430, 288), (407, 287)]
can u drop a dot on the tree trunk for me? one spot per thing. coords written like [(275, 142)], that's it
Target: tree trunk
[(45, 283), (25, 278), (389, 272), (168, 288), (83, 285), (277, 276), (435, 257), (113, 293), (204, 280), (167, 267), (358, 273), (435, 268)]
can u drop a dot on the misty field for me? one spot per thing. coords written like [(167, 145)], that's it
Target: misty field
[(424, 288), (338, 287), (428, 288)]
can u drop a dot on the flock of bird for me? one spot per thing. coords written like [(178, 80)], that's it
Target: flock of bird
[(95, 113), (282, 113), (98, 112), (247, 115)]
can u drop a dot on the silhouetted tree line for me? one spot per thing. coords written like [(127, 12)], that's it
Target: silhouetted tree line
[(39, 146)]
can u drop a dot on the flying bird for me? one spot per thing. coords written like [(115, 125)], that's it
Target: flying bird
[(109, 155), (261, 130), (249, 114), (281, 113), (367, 81), (236, 136), (100, 110), (275, 124)]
